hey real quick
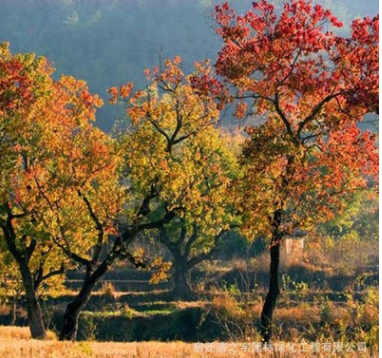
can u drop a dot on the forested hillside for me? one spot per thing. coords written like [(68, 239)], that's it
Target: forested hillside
[(109, 42)]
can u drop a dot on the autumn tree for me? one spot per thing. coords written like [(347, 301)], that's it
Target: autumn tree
[(194, 236), (108, 184), (28, 119), (110, 190), (312, 89), (173, 151), (80, 190), (60, 190), (85, 223), (61, 194)]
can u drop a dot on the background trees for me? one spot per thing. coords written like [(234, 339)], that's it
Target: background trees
[(173, 150), (197, 234), (11, 286), (105, 42)]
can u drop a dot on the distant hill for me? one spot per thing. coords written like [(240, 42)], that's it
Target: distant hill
[(110, 42)]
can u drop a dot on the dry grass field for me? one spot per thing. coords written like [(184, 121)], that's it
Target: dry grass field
[(15, 342)]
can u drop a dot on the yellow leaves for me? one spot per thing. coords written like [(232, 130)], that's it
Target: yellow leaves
[(97, 101), (71, 84), (195, 173), (161, 272), (203, 67), (136, 114), (172, 146), (4, 50), (172, 65)]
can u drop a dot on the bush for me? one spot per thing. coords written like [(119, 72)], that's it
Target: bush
[(108, 290), (236, 312)]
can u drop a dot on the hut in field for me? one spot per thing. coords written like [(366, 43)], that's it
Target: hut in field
[(294, 246)]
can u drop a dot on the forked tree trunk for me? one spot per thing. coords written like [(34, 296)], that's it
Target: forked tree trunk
[(95, 271)]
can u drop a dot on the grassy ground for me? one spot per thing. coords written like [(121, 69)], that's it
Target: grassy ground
[(319, 303), (15, 342), (316, 303)]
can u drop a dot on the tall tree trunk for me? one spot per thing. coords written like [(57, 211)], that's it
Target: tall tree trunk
[(35, 319), (182, 288), (272, 295), (273, 289)]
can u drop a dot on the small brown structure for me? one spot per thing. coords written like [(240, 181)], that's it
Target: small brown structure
[(293, 247)]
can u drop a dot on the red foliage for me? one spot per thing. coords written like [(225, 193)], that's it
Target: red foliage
[(313, 87)]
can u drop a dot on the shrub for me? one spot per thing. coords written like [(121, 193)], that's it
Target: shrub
[(108, 290)]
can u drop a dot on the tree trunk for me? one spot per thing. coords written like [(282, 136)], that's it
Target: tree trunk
[(35, 320), (73, 310), (14, 310), (273, 292), (182, 288)]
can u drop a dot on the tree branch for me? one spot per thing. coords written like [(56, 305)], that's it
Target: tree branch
[(193, 238), (99, 227), (317, 108), (207, 255), (276, 102)]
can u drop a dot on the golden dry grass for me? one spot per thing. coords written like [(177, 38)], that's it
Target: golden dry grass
[(15, 342)]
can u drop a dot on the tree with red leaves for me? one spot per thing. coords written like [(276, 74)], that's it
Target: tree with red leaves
[(313, 88)]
